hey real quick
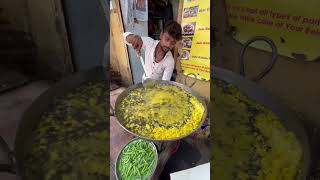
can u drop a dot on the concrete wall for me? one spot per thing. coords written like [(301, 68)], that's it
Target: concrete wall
[(88, 31), (49, 32), (295, 82), (14, 12), (45, 21)]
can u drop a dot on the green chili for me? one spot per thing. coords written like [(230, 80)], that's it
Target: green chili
[(136, 160)]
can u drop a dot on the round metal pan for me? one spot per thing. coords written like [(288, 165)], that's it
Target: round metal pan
[(147, 83), (289, 118), (32, 116)]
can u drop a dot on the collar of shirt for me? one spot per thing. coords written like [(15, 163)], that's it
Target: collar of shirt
[(154, 53)]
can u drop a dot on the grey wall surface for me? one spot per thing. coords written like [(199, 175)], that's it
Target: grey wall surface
[(88, 31)]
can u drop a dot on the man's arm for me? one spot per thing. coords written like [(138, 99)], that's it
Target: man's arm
[(125, 35), (136, 41)]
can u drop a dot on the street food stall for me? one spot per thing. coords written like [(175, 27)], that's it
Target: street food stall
[(158, 127)]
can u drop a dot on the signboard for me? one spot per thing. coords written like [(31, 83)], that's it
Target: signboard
[(196, 38), (293, 25)]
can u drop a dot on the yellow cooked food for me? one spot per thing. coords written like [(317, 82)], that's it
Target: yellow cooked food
[(161, 112), (249, 140)]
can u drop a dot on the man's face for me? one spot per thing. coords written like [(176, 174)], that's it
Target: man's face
[(167, 42)]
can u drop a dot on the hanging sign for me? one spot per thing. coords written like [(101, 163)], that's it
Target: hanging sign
[(195, 24), (293, 25)]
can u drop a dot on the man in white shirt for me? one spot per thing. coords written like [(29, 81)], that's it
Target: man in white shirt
[(159, 62)]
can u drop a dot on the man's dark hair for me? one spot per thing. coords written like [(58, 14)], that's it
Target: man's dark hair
[(173, 29)]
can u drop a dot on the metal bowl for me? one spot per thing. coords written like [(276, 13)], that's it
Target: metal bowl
[(150, 82), (156, 158)]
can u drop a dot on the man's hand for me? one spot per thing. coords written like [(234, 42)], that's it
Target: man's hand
[(135, 41)]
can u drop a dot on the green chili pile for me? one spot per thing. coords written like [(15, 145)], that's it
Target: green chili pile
[(136, 161)]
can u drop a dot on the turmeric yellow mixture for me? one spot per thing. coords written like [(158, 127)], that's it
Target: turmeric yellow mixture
[(250, 142), (161, 112), (70, 141)]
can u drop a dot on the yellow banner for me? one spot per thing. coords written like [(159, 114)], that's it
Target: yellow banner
[(293, 25), (196, 38)]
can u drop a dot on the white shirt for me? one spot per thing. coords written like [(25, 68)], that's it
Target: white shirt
[(159, 71)]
